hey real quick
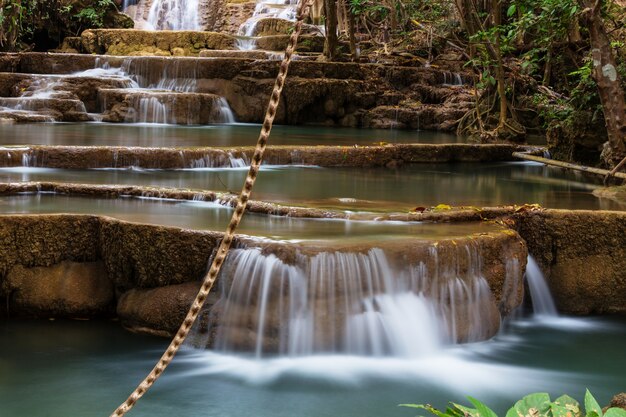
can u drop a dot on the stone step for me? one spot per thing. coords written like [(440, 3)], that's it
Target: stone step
[(156, 106), (131, 42), (22, 116), (80, 86), (60, 109)]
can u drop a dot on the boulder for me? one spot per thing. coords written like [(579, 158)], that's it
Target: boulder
[(158, 311)]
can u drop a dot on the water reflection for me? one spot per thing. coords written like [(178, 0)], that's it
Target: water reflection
[(106, 134), (211, 216), (463, 184)]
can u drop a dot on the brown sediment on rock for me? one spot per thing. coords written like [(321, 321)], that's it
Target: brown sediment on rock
[(85, 157), (583, 256), (63, 110)]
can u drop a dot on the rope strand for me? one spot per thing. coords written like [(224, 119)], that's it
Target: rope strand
[(210, 277)]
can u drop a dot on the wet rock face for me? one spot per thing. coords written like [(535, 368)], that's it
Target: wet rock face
[(73, 266), (583, 255), (67, 289)]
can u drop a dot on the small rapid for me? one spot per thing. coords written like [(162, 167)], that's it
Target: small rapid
[(363, 304)]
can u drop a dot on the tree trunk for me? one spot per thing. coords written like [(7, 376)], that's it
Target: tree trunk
[(609, 85), (10, 29), (354, 50), (496, 53), (331, 44)]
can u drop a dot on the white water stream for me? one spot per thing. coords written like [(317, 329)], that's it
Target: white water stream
[(164, 14), (350, 302), (543, 304), (148, 84), (264, 10)]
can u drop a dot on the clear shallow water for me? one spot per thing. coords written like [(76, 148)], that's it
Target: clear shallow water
[(211, 216), (108, 134), (62, 368), (462, 184)]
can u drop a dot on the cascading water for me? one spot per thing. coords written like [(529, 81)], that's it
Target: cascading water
[(226, 115), (164, 14), (174, 15), (352, 303), (543, 304), (43, 94), (166, 94), (264, 10), (452, 78)]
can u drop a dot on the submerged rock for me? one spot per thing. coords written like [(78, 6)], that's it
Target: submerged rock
[(67, 289)]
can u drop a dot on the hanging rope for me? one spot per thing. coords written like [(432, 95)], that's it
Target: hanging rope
[(222, 251)]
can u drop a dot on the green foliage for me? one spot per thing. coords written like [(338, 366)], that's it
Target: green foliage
[(371, 9), (93, 16), (19, 21), (532, 405), (544, 24)]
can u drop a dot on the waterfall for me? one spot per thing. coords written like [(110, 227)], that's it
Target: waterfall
[(452, 78), (174, 15), (264, 10), (152, 110), (543, 304), (163, 90), (354, 303), (226, 115)]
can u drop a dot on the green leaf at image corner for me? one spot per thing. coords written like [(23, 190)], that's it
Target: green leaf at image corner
[(592, 406)]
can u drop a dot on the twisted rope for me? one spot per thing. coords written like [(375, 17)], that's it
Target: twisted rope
[(209, 279)]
